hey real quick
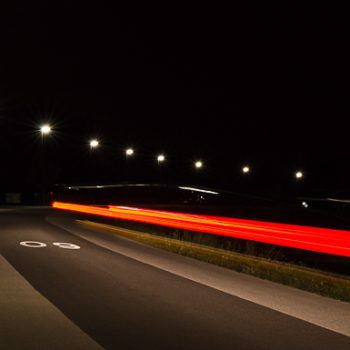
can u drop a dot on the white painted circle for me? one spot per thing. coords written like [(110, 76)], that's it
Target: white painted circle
[(33, 244), (65, 245)]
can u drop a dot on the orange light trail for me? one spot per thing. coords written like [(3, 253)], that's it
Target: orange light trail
[(323, 240)]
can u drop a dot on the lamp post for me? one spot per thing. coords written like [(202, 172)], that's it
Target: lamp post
[(299, 183), (299, 175), (160, 161), (198, 164), (160, 158), (245, 169), (45, 130), (93, 159), (129, 152), (93, 144)]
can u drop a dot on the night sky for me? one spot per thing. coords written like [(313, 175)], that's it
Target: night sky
[(251, 84)]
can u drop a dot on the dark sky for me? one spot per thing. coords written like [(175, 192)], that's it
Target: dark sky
[(256, 84)]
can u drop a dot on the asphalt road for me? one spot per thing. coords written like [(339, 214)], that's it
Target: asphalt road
[(100, 298)]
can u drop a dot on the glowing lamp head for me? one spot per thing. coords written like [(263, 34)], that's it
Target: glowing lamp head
[(299, 175), (161, 158), (198, 164), (129, 152), (94, 143), (45, 129), (245, 169)]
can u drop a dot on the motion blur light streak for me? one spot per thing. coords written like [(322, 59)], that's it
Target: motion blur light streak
[(316, 239)]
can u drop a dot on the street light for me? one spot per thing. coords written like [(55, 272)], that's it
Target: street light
[(94, 143), (245, 169), (45, 129), (198, 164), (129, 152), (160, 158), (299, 174)]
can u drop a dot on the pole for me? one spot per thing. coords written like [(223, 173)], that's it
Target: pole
[(43, 170)]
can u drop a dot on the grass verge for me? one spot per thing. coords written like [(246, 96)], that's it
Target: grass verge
[(311, 280)]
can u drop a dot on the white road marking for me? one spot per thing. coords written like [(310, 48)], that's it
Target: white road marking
[(66, 245), (33, 244)]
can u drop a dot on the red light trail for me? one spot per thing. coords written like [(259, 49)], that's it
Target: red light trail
[(322, 240)]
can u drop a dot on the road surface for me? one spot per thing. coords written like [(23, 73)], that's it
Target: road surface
[(112, 293)]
